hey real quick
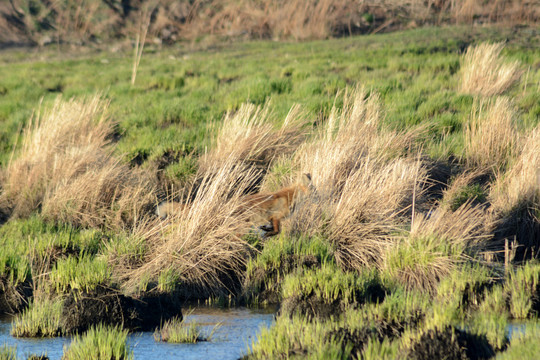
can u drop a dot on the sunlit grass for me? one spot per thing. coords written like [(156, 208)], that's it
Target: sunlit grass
[(41, 319), (178, 331), (100, 342)]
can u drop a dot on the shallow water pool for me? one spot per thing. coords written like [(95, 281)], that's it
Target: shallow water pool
[(231, 340)]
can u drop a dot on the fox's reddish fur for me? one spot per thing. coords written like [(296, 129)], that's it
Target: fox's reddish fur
[(264, 207), (275, 206)]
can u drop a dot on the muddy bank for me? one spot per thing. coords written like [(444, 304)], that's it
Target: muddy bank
[(13, 298), (107, 306), (359, 338), (452, 344), (315, 307)]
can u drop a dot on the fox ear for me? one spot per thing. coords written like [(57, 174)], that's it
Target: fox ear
[(306, 179)]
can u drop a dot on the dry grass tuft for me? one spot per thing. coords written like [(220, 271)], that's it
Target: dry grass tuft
[(483, 72), (65, 167), (201, 245), (515, 198), (520, 185), (247, 135), (491, 138), (361, 184)]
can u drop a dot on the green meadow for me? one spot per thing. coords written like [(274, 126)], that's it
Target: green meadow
[(420, 232)]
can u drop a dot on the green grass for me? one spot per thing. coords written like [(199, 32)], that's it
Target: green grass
[(82, 273), (523, 285), (465, 286), (100, 342), (280, 256), (467, 193), (26, 240), (41, 319), (296, 335), (524, 345), (179, 92), (330, 284), (178, 331), (8, 352)]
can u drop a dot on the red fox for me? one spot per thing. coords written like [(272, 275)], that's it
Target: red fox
[(273, 207), (265, 207)]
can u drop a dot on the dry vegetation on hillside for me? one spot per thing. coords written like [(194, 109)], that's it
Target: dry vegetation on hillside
[(39, 22)]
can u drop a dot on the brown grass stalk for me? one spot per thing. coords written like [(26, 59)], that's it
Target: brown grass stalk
[(247, 135)]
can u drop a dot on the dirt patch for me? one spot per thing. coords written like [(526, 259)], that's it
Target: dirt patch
[(13, 299), (107, 306), (452, 344)]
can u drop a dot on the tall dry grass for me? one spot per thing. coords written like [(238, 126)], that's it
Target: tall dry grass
[(297, 19), (66, 169), (484, 72), (491, 137), (200, 246), (520, 185), (248, 135), (362, 182), (515, 199)]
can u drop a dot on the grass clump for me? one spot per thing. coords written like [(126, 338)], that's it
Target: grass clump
[(491, 137), (8, 352), (359, 187), (280, 256), (41, 319), (81, 273), (490, 324), (100, 342), (464, 188), (435, 245), (202, 245), (328, 290), (296, 335), (515, 198), (483, 71), (466, 286), (523, 287), (248, 135), (65, 167), (178, 331)]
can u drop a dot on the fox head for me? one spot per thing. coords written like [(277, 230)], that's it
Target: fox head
[(305, 185)]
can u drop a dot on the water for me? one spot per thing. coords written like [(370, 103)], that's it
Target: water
[(231, 340), (516, 328)]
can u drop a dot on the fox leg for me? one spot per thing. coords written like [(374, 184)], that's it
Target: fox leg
[(276, 228)]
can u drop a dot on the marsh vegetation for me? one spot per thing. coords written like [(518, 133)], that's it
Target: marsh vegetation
[(420, 235)]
